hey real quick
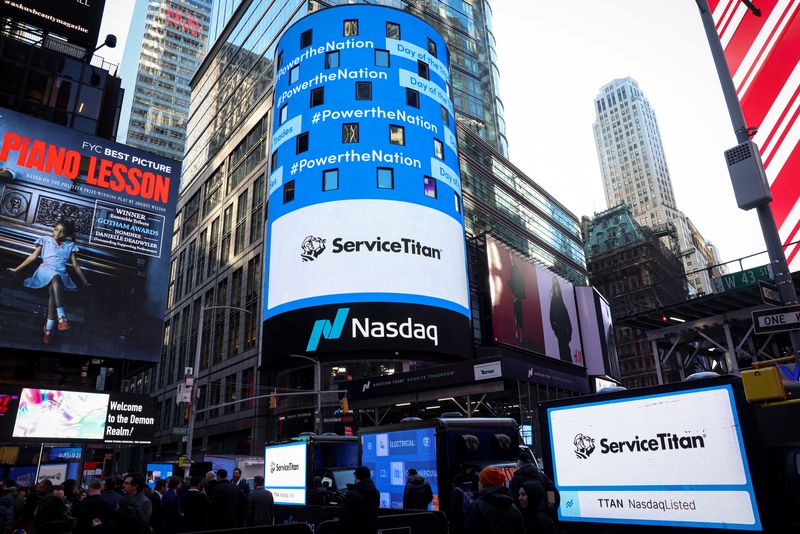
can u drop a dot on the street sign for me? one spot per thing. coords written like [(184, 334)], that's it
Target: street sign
[(179, 431), (746, 278), (769, 293), (777, 319)]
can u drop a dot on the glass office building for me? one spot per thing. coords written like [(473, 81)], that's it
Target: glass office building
[(218, 247)]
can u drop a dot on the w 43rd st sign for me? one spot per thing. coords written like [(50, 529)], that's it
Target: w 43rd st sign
[(777, 320)]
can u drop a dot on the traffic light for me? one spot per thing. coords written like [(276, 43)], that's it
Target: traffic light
[(344, 405), (182, 461), (273, 401)]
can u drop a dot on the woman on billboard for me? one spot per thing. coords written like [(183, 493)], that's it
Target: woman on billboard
[(55, 251)]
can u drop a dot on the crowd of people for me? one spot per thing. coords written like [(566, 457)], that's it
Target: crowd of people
[(126, 505)]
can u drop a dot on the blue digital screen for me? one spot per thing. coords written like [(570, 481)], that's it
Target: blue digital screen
[(24, 476), (364, 189), (390, 455), (64, 453), (158, 471)]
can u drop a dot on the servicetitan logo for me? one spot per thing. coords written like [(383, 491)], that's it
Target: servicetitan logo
[(288, 466), (584, 446), (312, 247)]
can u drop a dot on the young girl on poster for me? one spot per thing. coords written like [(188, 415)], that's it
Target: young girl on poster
[(55, 251)]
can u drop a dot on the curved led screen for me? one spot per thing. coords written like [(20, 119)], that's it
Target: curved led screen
[(365, 240)]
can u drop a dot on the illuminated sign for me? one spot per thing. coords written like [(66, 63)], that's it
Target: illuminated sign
[(77, 20), (109, 267), (669, 459), (365, 240), (285, 472)]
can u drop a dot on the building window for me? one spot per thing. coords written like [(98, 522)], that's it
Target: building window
[(332, 60), (280, 59), (273, 161), (305, 39), (392, 30), (397, 135), (438, 149), (412, 98), (330, 179), (381, 58), (430, 187), (422, 70), (350, 27), (283, 113), (445, 116), (288, 191), (317, 97), (350, 132), (363, 90), (385, 178), (294, 74), (301, 143), (458, 202), (431, 47)]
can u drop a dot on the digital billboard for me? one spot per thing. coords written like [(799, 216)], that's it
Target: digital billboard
[(389, 456), (86, 228), (365, 236), (532, 308), (82, 416), (155, 472), (77, 20), (597, 333), (668, 459), (285, 472)]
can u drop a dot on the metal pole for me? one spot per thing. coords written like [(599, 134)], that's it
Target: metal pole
[(777, 258), (318, 391), (39, 463), (195, 390)]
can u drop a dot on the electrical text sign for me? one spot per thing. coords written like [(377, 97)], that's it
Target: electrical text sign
[(668, 459), (77, 20), (365, 245), (285, 472)]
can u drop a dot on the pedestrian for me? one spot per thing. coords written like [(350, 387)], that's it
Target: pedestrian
[(493, 511), (157, 515), (195, 505), (533, 502), (241, 484), (55, 250), (226, 502), (110, 492), (93, 514), (460, 499), (527, 471), (210, 481), (40, 491), (259, 507), (320, 494), (359, 510), (132, 515), (7, 501), (171, 506), (418, 493), (52, 517)]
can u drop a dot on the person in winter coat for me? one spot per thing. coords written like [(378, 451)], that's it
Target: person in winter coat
[(52, 517), (493, 511), (260, 504), (171, 506), (195, 505), (418, 493), (94, 512), (359, 510), (528, 471), (226, 502), (533, 502), (133, 511), (10, 506)]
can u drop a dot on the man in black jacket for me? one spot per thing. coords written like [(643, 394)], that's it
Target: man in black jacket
[(494, 511), (359, 511), (171, 506), (226, 502), (157, 517), (94, 512), (418, 493), (195, 505), (259, 507)]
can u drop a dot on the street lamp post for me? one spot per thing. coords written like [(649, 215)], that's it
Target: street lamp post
[(317, 390), (196, 378), (780, 269)]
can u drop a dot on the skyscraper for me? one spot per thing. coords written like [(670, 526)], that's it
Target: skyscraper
[(635, 172), (171, 48)]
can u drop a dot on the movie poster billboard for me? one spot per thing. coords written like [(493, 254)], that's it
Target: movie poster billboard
[(597, 333), (85, 232), (532, 308)]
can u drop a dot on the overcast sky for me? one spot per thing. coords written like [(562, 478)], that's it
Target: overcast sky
[(555, 56)]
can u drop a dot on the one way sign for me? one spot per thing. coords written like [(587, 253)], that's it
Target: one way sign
[(777, 319)]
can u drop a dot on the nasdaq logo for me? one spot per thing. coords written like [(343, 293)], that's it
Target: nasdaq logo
[(323, 328)]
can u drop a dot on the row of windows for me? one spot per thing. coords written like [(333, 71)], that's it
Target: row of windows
[(384, 180), (350, 29)]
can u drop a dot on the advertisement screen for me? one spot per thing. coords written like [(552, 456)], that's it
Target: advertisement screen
[(77, 20), (285, 472), (671, 459), (23, 475), (157, 471), (9, 404), (217, 463), (390, 455), (365, 239), (532, 308), (81, 416), (597, 333), (55, 473), (86, 228)]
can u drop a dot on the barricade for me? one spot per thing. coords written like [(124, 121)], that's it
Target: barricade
[(399, 522)]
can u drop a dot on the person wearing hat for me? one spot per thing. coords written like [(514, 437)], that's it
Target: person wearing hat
[(493, 511)]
